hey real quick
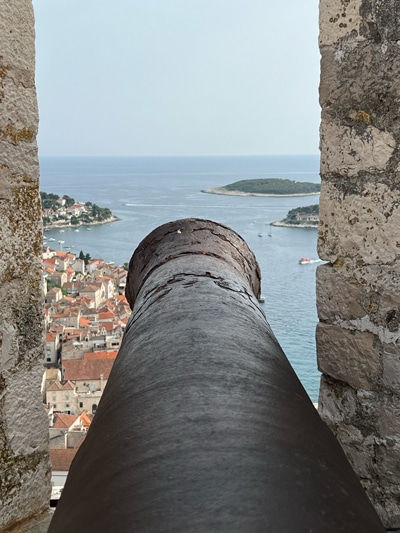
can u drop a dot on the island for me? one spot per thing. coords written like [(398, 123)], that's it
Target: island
[(300, 217), (65, 211), (267, 187)]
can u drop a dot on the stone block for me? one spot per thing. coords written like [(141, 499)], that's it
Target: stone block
[(349, 356), (349, 151), (363, 226), (337, 295)]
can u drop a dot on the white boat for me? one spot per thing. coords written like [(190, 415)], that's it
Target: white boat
[(51, 239), (261, 299), (305, 260)]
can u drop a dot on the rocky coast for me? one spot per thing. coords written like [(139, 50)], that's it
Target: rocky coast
[(67, 224), (222, 190)]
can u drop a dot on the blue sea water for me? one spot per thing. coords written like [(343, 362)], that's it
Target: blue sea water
[(144, 192)]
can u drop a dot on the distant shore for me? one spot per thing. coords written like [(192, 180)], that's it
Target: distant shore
[(222, 190), (66, 224), (288, 225)]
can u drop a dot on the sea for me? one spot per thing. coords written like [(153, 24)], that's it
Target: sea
[(145, 192)]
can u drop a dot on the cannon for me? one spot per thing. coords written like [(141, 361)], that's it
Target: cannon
[(203, 425)]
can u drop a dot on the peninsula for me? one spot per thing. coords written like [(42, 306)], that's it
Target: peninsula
[(300, 217), (267, 187), (65, 211)]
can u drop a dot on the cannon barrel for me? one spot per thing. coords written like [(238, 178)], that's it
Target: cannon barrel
[(203, 425)]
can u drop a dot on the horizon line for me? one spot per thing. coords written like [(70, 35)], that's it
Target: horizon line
[(179, 155)]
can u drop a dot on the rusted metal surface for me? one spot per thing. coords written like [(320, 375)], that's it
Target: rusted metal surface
[(203, 425), (192, 242)]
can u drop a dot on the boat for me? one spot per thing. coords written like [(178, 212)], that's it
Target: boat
[(51, 239), (305, 260), (76, 230), (261, 299)]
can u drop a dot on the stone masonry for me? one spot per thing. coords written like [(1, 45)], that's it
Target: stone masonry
[(358, 289), (24, 462)]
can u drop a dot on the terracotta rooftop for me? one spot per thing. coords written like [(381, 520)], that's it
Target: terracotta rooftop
[(86, 421), (61, 459), (78, 370), (106, 315), (63, 420), (100, 355), (58, 385)]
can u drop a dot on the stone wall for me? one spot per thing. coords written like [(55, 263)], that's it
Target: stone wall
[(24, 463), (358, 290)]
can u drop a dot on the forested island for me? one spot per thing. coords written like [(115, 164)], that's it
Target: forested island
[(301, 217), (65, 211), (268, 187)]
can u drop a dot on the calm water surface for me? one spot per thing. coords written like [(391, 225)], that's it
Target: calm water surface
[(145, 192)]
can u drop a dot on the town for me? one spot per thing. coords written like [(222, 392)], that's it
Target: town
[(65, 211), (86, 313)]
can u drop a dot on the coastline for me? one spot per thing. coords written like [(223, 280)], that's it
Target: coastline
[(222, 190), (67, 224), (287, 225)]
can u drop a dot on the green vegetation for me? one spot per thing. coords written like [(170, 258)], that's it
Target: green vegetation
[(70, 212), (51, 285), (312, 210), (49, 200), (308, 214), (274, 186), (85, 257)]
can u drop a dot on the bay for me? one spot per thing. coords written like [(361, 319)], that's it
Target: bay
[(145, 192)]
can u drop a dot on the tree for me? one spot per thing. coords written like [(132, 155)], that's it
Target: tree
[(68, 200)]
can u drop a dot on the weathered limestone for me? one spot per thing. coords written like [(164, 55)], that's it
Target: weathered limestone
[(24, 463), (358, 290)]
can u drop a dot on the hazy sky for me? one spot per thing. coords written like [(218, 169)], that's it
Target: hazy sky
[(177, 77)]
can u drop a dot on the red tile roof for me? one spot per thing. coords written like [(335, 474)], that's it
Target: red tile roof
[(63, 420), (61, 459), (100, 355), (86, 421), (108, 326), (58, 385), (106, 315), (87, 369)]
